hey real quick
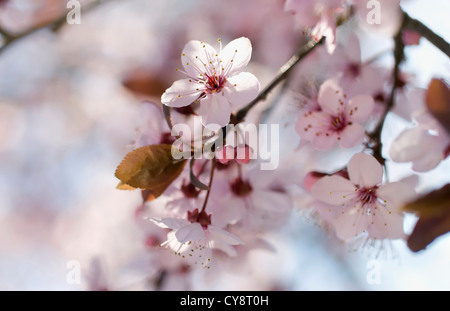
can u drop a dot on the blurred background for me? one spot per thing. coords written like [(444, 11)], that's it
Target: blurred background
[(69, 108)]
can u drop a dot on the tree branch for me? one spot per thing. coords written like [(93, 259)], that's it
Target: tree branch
[(284, 71), (55, 24), (417, 26)]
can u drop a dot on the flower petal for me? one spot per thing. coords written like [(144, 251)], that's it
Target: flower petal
[(191, 232), (182, 93), (349, 223), (172, 223), (351, 136), (396, 194), (242, 88), (198, 58), (236, 55), (331, 97), (364, 170), (359, 108), (218, 234), (334, 190), (215, 110), (384, 224)]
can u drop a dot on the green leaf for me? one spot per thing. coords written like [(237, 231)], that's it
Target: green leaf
[(149, 168), (433, 210)]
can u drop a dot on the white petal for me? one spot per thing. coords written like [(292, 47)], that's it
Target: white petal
[(182, 93), (172, 223), (359, 108), (331, 98), (198, 58), (218, 234), (364, 170), (191, 232), (334, 190), (241, 89), (236, 55), (215, 110)]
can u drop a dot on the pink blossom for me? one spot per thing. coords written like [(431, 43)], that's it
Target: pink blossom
[(320, 16), (361, 203), (215, 80), (194, 238), (338, 121)]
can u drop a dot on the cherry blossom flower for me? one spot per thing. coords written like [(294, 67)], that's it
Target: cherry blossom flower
[(338, 121), (194, 238), (424, 147), (361, 203), (320, 16), (215, 80)]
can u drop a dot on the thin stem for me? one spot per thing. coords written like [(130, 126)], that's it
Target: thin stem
[(375, 135), (211, 177), (284, 71), (415, 25)]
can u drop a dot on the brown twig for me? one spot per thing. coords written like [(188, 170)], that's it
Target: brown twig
[(417, 26), (284, 72), (55, 24)]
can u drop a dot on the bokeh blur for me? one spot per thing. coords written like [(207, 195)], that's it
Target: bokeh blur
[(69, 107)]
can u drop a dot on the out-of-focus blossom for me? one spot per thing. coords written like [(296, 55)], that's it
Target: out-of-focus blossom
[(382, 16), (319, 16), (215, 80), (362, 203), (338, 120)]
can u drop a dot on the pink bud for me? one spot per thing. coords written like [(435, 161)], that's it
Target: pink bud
[(243, 154)]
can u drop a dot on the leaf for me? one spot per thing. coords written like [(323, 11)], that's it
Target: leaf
[(122, 186), (433, 210), (438, 102), (149, 168), (194, 180)]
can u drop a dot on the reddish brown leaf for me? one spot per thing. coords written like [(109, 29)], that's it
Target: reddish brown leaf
[(433, 210), (150, 168), (438, 102)]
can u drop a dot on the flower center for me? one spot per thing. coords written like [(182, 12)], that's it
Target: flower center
[(338, 123), (367, 195), (215, 83), (167, 138), (201, 217), (240, 187)]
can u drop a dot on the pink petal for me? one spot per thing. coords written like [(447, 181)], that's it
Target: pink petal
[(236, 55), (191, 232), (331, 98), (195, 56), (349, 223), (243, 154), (182, 93), (385, 224), (225, 154), (241, 89), (334, 190), (364, 170), (396, 194), (351, 136), (360, 108), (215, 111)]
